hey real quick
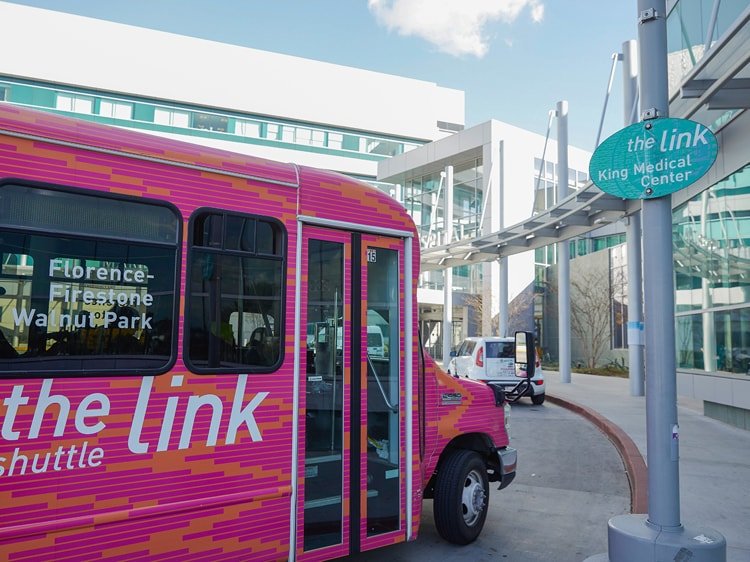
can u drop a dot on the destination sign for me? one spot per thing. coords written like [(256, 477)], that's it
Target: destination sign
[(653, 158)]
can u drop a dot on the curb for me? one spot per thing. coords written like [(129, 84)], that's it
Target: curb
[(635, 466)]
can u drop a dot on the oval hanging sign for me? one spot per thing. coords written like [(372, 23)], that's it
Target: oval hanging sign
[(653, 158)]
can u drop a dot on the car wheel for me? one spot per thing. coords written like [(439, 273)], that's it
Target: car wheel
[(537, 399), (461, 497)]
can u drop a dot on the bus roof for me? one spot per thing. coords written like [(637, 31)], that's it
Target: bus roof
[(357, 203), (56, 129)]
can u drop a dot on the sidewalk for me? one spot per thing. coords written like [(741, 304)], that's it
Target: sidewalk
[(714, 457)]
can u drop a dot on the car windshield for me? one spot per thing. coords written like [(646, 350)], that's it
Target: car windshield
[(466, 348), (499, 349)]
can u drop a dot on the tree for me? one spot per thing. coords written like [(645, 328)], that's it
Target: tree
[(475, 303), (590, 312), (520, 312)]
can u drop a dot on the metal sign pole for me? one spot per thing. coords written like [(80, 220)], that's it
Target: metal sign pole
[(661, 536), (662, 430)]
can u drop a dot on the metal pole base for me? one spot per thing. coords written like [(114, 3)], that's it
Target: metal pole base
[(631, 538)]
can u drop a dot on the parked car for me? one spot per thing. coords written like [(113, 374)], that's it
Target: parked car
[(375, 343), (492, 359)]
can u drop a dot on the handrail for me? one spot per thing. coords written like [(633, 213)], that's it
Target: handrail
[(390, 406)]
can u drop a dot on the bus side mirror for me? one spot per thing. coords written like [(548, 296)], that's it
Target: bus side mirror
[(454, 354), (525, 351)]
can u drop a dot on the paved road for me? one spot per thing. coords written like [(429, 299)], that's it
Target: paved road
[(570, 481)]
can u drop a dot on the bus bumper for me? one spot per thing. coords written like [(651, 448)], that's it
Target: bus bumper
[(508, 458)]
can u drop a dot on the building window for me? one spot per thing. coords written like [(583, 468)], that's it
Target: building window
[(88, 283), (246, 128), (116, 109), (380, 146), (235, 293), (311, 137), (75, 103), (171, 117), (545, 182), (712, 266), (303, 136), (272, 131), (619, 307), (335, 140), (210, 122), (287, 133)]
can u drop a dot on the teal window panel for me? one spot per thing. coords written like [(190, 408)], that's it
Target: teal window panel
[(582, 247), (28, 95), (350, 142), (143, 112), (44, 98), (599, 244)]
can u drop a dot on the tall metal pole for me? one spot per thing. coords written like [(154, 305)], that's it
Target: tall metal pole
[(662, 430), (633, 234), (563, 249), (661, 535)]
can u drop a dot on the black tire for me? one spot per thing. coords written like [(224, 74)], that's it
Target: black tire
[(537, 399), (461, 497)]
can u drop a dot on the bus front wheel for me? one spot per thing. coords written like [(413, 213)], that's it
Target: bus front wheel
[(461, 497)]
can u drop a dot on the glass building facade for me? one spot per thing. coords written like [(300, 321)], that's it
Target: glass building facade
[(424, 199), (711, 230), (712, 274)]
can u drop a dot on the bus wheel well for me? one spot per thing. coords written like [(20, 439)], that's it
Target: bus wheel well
[(481, 443)]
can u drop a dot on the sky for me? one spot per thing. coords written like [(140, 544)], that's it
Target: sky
[(514, 59)]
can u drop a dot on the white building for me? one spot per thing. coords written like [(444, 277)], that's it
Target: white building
[(270, 105), (500, 178)]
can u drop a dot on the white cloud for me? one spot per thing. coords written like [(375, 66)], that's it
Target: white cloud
[(455, 27)]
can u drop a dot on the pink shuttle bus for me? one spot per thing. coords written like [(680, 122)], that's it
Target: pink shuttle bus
[(184, 366)]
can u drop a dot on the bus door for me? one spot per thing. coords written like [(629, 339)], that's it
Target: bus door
[(382, 444), (351, 496), (325, 388)]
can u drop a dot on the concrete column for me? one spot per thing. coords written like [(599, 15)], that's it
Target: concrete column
[(633, 233), (502, 298), (494, 274), (448, 272), (502, 269), (563, 248)]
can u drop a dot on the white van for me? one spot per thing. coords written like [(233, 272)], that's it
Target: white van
[(375, 343), (492, 359)]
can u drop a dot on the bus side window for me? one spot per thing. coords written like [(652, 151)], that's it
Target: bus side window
[(87, 282), (235, 293)]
